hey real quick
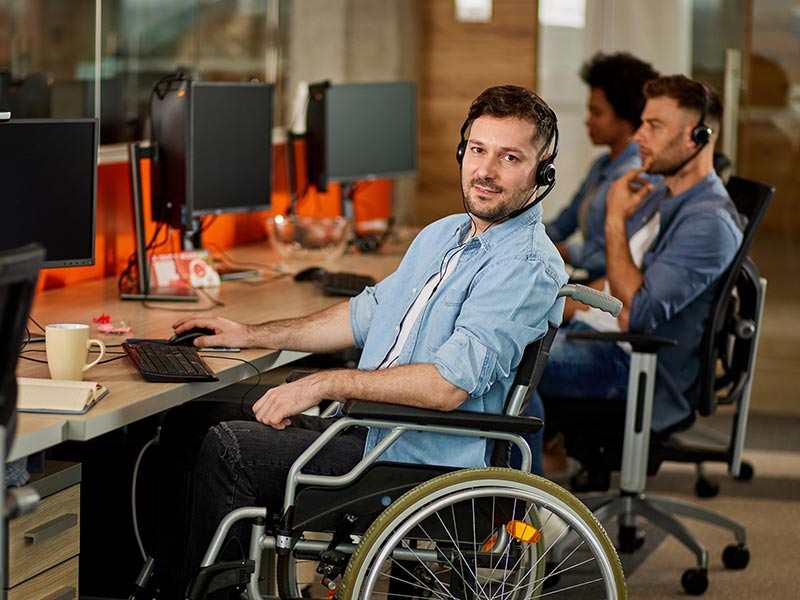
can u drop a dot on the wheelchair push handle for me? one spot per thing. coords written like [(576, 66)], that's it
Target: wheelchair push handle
[(592, 297)]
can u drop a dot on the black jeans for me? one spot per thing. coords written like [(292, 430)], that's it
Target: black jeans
[(214, 458)]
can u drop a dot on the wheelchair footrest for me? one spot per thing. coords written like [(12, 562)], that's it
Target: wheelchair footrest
[(218, 576)]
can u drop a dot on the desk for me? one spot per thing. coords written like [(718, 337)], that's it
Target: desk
[(130, 398)]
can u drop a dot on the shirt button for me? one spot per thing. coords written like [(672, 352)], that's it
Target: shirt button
[(397, 328), (414, 291)]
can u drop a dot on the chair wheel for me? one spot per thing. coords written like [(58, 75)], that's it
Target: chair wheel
[(745, 472), (630, 539), (695, 581), (705, 488), (736, 556)]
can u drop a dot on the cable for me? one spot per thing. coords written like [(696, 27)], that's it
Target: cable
[(149, 306), (120, 356), (211, 299), (25, 341), (252, 387), (42, 329), (133, 496), (36, 360), (227, 260)]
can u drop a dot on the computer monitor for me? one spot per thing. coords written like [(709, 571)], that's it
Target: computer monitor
[(214, 150), (48, 187), (361, 131)]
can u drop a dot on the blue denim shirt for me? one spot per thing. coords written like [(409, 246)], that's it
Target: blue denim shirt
[(474, 329), (699, 235), (591, 253)]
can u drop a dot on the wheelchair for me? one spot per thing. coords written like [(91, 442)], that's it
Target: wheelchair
[(391, 530)]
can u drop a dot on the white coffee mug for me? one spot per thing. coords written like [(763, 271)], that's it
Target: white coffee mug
[(67, 346)]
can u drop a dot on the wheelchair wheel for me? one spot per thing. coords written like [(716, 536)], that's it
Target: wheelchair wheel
[(476, 533)]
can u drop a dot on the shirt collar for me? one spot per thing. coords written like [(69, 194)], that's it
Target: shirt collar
[(660, 200), (671, 204), (498, 232)]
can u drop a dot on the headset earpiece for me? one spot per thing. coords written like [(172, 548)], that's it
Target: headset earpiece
[(462, 145), (546, 171), (701, 134)]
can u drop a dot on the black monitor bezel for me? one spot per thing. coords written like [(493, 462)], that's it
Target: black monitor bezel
[(191, 211), (318, 143), (82, 262)]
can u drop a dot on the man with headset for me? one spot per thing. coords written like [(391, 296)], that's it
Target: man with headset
[(446, 330), (666, 247)]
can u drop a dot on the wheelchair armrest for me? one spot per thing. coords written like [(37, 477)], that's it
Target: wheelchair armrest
[(640, 342), (296, 374), (362, 409)]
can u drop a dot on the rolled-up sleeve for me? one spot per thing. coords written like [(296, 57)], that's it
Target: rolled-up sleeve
[(697, 254), (363, 307), (362, 310), (507, 308)]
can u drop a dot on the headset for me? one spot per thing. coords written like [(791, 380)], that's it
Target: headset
[(701, 134), (546, 169)]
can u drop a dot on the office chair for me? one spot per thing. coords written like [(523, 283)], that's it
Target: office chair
[(729, 349), (727, 359), (19, 271), (415, 531)]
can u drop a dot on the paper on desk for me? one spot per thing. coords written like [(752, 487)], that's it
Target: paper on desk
[(58, 395)]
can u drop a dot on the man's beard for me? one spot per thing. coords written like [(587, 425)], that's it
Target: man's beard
[(495, 211), (669, 160)]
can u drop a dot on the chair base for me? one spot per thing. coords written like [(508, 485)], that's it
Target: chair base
[(661, 511)]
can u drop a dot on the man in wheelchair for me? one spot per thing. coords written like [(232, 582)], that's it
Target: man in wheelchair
[(446, 330)]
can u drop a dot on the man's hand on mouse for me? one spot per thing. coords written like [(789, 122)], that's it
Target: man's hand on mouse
[(227, 333)]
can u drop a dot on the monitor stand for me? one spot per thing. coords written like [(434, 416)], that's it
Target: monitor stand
[(229, 274), (164, 294), (194, 240), (135, 154)]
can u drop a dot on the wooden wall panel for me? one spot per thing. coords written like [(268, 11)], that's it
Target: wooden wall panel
[(457, 62)]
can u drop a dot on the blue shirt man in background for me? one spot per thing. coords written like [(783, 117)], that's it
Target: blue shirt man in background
[(667, 244), (446, 330), (613, 115)]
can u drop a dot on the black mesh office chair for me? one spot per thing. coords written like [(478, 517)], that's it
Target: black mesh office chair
[(605, 436), (19, 270), (729, 351), (428, 532)]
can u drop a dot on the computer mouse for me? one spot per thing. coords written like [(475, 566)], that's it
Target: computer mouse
[(310, 274), (186, 338)]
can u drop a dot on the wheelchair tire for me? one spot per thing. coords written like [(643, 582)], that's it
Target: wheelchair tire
[(455, 563)]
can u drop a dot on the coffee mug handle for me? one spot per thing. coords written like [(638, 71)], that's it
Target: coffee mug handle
[(102, 347)]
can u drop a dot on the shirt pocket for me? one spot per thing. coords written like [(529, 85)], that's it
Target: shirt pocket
[(442, 319)]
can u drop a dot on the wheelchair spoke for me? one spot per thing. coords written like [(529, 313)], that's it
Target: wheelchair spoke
[(571, 587)]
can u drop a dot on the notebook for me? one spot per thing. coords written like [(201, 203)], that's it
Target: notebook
[(58, 395)]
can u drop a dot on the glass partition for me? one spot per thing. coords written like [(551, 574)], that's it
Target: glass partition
[(49, 48)]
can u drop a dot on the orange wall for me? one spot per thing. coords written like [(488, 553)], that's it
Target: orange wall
[(115, 233)]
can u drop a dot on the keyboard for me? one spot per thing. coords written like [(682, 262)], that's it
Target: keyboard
[(345, 284), (160, 362)]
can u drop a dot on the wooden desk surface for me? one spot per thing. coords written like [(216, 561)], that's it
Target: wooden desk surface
[(130, 398)]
